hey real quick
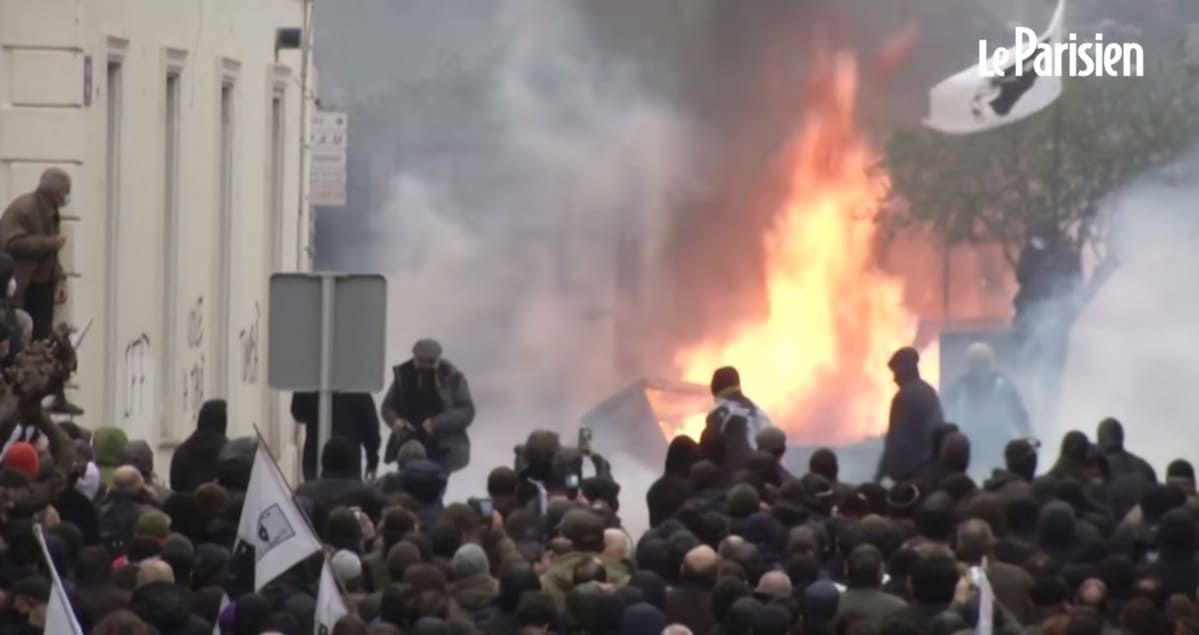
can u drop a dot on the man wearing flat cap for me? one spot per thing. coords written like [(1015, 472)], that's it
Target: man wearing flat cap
[(429, 401)]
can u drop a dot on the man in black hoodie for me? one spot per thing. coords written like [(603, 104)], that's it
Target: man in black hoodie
[(915, 411), (667, 495), (195, 460)]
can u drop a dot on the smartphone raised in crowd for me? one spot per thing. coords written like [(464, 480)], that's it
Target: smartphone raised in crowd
[(482, 506), (584, 442)]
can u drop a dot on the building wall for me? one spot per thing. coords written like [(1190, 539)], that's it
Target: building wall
[(173, 278)]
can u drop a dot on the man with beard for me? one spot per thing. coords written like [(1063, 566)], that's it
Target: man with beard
[(429, 401), (915, 411), (985, 403)]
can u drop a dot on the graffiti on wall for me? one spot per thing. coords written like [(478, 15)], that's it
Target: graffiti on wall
[(138, 362), (193, 360), (248, 338)]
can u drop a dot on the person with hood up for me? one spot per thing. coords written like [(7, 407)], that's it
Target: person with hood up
[(987, 405), (163, 604), (953, 458), (1128, 474), (1176, 565), (732, 425), (1057, 532), (429, 400), (915, 411), (109, 444), (195, 460), (472, 586), (425, 482), (585, 531), (667, 494)]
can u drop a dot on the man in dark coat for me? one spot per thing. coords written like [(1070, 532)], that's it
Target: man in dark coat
[(1110, 439), (195, 461), (429, 400), (690, 601), (163, 604), (354, 420), (667, 494), (915, 411), (732, 425)]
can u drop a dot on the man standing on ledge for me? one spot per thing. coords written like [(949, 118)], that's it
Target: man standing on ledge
[(29, 232), (915, 412), (429, 401)]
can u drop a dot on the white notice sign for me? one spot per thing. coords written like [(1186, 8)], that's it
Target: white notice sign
[(327, 143)]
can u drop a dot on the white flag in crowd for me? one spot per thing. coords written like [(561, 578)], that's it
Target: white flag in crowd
[(216, 626), (986, 605), (969, 102), (60, 618), (329, 605), (271, 522)]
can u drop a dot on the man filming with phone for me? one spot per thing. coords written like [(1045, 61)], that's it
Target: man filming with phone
[(429, 401)]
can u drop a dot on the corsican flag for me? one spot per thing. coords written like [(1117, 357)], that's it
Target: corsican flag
[(271, 522), (60, 618), (329, 605), (986, 96)]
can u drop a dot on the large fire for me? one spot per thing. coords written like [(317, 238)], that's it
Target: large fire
[(816, 360)]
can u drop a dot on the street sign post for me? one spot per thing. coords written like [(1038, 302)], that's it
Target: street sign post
[(327, 333)]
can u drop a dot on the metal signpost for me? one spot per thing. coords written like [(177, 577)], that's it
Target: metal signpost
[(346, 315)]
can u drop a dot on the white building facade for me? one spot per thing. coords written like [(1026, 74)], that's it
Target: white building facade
[(180, 125)]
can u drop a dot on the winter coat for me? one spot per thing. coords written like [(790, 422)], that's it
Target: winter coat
[(196, 460), (449, 427), (667, 494), (474, 593), (426, 481), (119, 514), (100, 600), (728, 439), (915, 411), (167, 608), (873, 604), (341, 490), (559, 580), (354, 419), (690, 604), (28, 226)]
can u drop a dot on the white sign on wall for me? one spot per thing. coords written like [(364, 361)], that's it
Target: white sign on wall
[(327, 157)]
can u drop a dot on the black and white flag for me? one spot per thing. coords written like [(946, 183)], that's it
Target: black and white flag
[(271, 522), (970, 101)]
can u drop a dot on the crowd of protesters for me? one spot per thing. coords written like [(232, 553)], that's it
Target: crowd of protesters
[(1089, 542)]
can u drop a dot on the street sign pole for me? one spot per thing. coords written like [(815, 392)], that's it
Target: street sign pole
[(325, 396)]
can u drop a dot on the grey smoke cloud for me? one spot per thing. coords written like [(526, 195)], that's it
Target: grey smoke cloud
[(1134, 353)]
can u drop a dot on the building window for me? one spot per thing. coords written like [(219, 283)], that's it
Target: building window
[(170, 425), (112, 228), (224, 238)]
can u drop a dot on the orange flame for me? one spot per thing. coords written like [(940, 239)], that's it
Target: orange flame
[(817, 361)]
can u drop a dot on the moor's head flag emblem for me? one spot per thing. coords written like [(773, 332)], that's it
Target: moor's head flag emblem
[(273, 529)]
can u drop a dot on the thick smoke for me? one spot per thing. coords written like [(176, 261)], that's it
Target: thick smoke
[(1134, 353), (510, 253)]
